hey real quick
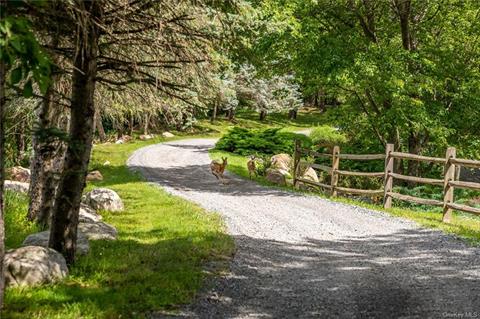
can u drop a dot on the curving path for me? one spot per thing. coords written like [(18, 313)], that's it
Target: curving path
[(302, 256)]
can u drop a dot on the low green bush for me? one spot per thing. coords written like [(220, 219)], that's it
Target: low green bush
[(327, 136), (260, 142)]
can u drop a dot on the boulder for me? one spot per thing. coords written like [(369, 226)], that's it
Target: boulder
[(276, 176), (281, 161), (33, 265), (124, 139), (146, 137), (41, 239), (98, 230), (88, 215), (18, 187), (103, 199), (310, 174), (19, 174), (94, 176), (167, 134)]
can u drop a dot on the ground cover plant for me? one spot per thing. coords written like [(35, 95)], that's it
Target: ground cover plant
[(268, 141)]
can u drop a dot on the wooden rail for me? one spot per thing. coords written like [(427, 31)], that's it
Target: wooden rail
[(414, 157), (361, 157), (448, 182), (418, 200), (334, 170), (430, 181)]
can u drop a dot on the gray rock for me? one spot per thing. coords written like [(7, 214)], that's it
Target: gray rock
[(88, 215), (103, 199), (276, 176), (41, 239), (19, 187), (98, 231), (33, 265)]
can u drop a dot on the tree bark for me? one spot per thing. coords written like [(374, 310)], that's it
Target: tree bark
[(20, 142), (231, 114), (2, 171), (146, 122), (99, 127), (292, 114), (214, 113), (63, 231), (48, 157), (263, 115)]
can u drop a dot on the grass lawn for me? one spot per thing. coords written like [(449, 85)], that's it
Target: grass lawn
[(155, 265), (464, 225), (248, 119)]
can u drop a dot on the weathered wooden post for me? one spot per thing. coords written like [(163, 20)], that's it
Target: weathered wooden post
[(296, 161), (448, 190), (388, 180), (335, 166)]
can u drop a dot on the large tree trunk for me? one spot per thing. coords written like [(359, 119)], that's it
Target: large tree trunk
[(2, 175), (63, 230), (48, 157)]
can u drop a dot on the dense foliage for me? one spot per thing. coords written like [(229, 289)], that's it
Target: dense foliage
[(260, 142), (403, 71)]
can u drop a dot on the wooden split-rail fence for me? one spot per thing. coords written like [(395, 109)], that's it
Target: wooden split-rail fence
[(449, 181)]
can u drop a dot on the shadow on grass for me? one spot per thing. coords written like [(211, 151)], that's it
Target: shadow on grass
[(125, 278), (407, 274)]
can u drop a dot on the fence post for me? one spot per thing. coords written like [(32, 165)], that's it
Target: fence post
[(448, 191), (335, 166), (296, 161), (388, 180)]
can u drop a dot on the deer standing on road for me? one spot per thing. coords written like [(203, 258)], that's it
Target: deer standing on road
[(251, 165), (218, 169)]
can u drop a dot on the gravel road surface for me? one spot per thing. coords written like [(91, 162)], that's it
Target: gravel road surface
[(301, 256)]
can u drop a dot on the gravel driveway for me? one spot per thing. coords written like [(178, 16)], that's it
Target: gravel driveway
[(301, 256)]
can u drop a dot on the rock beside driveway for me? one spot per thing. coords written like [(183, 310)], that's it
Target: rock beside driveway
[(98, 231), (276, 176), (19, 187), (167, 134), (41, 239), (103, 199), (88, 215), (94, 176), (19, 174), (33, 265)]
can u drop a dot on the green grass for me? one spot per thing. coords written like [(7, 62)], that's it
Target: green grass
[(17, 227), (157, 264), (306, 118), (464, 225)]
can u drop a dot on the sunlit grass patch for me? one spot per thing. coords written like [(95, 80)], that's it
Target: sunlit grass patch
[(157, 263)]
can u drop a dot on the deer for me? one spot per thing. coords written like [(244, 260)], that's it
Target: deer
[(218, 169), (252, 167)]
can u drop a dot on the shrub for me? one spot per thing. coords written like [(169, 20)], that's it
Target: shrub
[(327, 136), (260, 142)]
